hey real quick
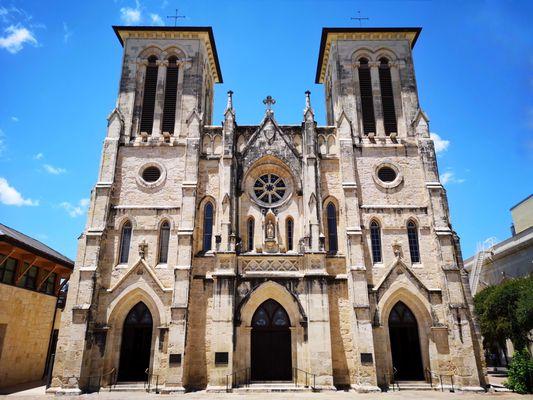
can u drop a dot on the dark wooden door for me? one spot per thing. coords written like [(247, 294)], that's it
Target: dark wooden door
[(271, 343), (405, 343), (136, 344)]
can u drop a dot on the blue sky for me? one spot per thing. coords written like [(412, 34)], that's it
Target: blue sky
[(60, 64)]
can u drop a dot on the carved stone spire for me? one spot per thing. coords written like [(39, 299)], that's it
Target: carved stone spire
[(308, 111), (229, 104)]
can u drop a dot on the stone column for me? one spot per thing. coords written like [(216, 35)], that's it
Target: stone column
[(159, 98), (376, 95)]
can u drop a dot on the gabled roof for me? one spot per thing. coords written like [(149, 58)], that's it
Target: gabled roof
[(329, 34), (32, 245), (174, 32)]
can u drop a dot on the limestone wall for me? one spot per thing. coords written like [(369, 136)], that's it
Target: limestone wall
[(28, 318)]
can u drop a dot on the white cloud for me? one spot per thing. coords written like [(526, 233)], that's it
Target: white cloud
[(54, 170), (38, 156), (15, 39), (11, 197), (67, 33), (75, 210), (131, 15), (449, 177), (15, 119), (441, 145), (156, 19)]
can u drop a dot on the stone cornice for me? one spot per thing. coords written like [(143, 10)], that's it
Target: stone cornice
[(330, 35), (205, 34)]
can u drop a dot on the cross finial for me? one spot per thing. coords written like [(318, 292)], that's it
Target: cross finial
[(175, 17), (359, 18), (269, 102), (229, 105), (307, 99)]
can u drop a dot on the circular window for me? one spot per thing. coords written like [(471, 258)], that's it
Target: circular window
[(386, 174), (269, 188), (151, 174)]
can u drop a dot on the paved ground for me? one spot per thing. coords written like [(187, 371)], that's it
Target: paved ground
[(38, 394)]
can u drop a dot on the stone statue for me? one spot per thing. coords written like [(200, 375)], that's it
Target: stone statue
[(270, 230)]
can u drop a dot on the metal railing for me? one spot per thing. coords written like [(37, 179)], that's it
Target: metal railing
[(149, 379), (431, 374), (237, 378), (102, 380), (308, 377)]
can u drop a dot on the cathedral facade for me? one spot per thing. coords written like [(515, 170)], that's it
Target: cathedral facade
[(218, 256)]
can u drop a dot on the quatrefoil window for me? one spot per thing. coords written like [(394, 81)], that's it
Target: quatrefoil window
[(269, 188)]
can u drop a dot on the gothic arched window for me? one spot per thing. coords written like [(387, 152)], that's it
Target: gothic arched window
[(387, 97), (125, 240), (270, 315), (412, 237), (367, 101), (290, 233), (208, 226), (150, 86), (171, 93), (250, 226), (375, 241), (164, 236), (332, 228)]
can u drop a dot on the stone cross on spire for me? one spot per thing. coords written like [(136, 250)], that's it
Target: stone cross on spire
[(229, 104), (269, 102)]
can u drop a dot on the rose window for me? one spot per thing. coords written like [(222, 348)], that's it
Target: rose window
[(269, 188)]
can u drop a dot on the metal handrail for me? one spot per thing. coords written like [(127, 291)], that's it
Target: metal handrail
[(432, 374), (234, 378), (100, 377), (307, 375), (148, 383), (394, 381)]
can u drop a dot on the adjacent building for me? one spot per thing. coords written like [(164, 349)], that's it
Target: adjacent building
[(33, 281), (218, 255)]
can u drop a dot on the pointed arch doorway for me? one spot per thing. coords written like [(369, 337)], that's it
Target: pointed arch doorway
[(405, 343), (136, 344), (271, 358)]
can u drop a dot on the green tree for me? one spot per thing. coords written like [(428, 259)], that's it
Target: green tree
[(505, 312)]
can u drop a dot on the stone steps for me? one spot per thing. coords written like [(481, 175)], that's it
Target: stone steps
[(414, 385), (271, 387), (128, 387)]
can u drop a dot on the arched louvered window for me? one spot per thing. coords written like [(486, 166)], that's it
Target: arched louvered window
[(367, 102), (125, 240), (150, 86), (208, 226), (171, 93), (375, 241), (387, 98), (250, 227), (331, 212), (290, 233), (164, 236), (412, 237)]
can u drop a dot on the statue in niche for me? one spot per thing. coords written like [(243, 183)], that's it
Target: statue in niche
[(270, 230)]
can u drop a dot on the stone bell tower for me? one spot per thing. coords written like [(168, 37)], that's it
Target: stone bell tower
[(401, 245), (137, 244)]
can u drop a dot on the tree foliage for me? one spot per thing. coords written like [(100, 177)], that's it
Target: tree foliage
[(520, 376), (505, 312)]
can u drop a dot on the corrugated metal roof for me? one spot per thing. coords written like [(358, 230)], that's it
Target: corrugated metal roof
[(19, 239)]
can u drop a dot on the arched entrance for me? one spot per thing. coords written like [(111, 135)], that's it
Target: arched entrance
[(271, 343), (136, 344), (405, 343)]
